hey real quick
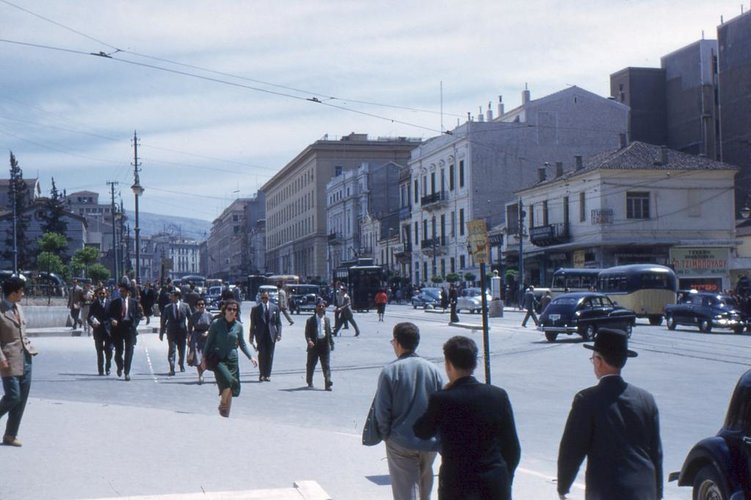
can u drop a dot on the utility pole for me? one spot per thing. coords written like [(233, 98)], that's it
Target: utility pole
[(521, 249), (13, 191), (115, 273), (137, 191)]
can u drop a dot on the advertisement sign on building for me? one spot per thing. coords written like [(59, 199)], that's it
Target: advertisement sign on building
[(699, 261)]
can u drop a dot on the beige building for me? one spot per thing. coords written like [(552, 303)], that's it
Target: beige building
[(227, 246), (296, 228)]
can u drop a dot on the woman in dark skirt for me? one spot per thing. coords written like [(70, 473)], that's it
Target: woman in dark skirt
[(198, 331), (225, 336)]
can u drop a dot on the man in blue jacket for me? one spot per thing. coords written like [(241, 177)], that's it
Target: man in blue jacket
[(616, 426), (404, 387)]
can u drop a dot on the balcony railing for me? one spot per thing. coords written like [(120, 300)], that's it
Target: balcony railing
[(432, 246), (551, 234), (405, 213), (335, 238), (435, 200)]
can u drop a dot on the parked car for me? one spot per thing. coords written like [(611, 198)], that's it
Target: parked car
[(427, 298), (213, 297), (303, 298), (705, 310), (584, 313), (273, 294), (719, 467), (470, 299)]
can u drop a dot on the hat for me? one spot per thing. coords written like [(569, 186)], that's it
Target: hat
[(611, 342)]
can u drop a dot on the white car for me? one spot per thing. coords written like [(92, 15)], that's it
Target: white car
[(470, 300)]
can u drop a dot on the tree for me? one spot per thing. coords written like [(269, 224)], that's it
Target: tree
[(97, 272), (50, 262), (437, 279), (18, 200), (53, 212), (52, 242), (452, 277), (469, 277), (83, 259)]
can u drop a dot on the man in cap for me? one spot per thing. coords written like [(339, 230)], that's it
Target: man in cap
[(616, 426), (15, 358), (320, 344)]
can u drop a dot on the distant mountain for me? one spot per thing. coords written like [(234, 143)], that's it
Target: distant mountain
[(190, 229)]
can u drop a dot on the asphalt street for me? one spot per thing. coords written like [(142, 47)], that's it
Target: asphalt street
[(87, 436)]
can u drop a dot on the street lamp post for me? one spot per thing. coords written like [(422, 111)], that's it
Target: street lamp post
[(137, 192)]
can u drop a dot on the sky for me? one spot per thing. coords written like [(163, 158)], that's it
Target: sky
[(224, 93)]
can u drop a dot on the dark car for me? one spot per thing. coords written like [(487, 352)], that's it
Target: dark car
[(584, 313), (719, 467), (705, 310), (427, 298), (301, 298)]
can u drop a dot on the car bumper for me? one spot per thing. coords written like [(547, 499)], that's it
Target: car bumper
[(728, 323), (558, 329)]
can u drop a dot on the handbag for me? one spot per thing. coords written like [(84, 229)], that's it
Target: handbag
[(212, 360), (191, 356), (371, 436)]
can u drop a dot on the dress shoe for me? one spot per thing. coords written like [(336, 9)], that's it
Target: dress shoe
[(101, 374), (357, 334), (328, 385), (310, 385), (127, 378), (200, 379), (182, 368), (291, 323), (11, 441), (171, 373), (119, 372), (260, 379), (267, 379)]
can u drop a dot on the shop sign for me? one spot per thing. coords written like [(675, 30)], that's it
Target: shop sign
[(478, 240), (699, 261)]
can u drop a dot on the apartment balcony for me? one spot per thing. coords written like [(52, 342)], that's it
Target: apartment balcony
[(405, 213), (402, 250), (433, 246), (434, 201), (365, 252), (335, 238), (551, 234)]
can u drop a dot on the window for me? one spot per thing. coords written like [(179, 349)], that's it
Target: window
[(417, 192), (462, 261), (417, 233), (451, 177), (637, 205), (545, 213), (461, 173), (461, 223), (582, 208), (565, 210), (432, 182), (425, 229)]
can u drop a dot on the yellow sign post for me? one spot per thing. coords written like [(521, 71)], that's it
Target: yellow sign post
[(479, 248)]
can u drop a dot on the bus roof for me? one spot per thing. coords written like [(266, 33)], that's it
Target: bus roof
[(637, 268)]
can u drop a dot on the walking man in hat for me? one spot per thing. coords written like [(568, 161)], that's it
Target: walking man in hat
[(616, 426)]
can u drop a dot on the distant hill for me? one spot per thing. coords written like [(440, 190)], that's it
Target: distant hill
[(190, 229)]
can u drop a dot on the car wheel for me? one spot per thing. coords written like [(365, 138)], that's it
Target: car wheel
[(414, 306), (705, 326), (738, 329), (670, 321), (629, 329), (551, 336), (709, 485), (655, 320), (589, 332)]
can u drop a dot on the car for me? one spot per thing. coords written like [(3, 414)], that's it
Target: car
[(584, 313), (706, 311), (213, 297), (272, 291), (303, 298), (718, 467), (470, 299), (427, 298)]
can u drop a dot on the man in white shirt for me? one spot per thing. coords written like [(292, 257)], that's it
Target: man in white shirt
[(320, 344)]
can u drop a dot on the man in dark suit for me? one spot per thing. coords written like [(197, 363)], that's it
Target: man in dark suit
[(174, 321), (124, 317), (616, 426), (479, 445), (320, 344), (265, 332), (98, 319)]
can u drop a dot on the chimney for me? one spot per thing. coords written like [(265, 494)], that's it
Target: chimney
[(579, 163), (480, 116), (525, 96), (490, 112), (663, 155), (623, 140), (558, 169), (500, 106), (541, 174)]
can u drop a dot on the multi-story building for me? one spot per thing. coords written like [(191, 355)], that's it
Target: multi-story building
[(169, 255), (355, 198), (296, 223), (638, 204), (473, 171), (227, 246), (255, 231)]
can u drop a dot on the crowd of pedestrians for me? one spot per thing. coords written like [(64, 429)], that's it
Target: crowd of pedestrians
[(416, 412)]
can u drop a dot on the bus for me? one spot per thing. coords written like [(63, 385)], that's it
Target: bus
[(285, 279), (364, 282), (574, 279), (644, 288), (196, 280), (254, 281)]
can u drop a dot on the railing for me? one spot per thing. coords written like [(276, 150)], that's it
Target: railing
[(405, 213), (335, 238), (551, 234), (437, 198)]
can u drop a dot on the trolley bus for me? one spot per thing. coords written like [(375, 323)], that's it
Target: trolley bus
[(284, 279), (574, 279), (644, 288), (364, 282)]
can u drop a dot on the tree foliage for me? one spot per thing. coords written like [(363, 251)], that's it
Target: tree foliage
[(52, 242), (18, 199), (83, 259), (470, 277), (97, 273), (50, 262), (53, 212), (437, 278), (452, 277)]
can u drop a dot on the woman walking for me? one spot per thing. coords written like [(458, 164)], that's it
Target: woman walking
[(198, 331), (381, 299), (225, 336)]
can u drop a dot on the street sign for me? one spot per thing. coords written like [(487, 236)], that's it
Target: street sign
[(478, 240)]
